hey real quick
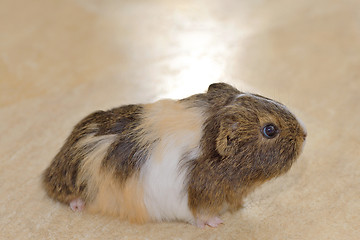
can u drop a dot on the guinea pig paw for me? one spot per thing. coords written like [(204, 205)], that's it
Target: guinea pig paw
[(77, 205), (212, 222)]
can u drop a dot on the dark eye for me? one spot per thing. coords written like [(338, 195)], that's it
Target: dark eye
[(269, 131)]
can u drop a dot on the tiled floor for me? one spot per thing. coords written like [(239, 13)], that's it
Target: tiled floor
[(60, 60)]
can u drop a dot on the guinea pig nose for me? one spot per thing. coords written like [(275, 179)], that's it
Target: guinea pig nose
[(304, 134)]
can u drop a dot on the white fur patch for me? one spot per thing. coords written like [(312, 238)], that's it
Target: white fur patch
[(165, 195)]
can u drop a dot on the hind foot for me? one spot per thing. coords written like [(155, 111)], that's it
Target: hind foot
[(77, 205), (212, 222)]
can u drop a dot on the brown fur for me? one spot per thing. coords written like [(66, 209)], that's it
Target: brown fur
[(235, 156), (102, 140)]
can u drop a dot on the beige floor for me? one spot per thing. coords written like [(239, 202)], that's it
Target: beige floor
[(60, 60)]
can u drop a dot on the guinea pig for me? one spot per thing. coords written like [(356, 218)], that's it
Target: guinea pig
[(175, 160)]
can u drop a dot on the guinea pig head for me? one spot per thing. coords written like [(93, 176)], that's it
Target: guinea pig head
[(260, 138)]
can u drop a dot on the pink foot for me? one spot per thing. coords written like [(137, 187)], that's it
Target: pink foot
[(77, 205), (212, 222)]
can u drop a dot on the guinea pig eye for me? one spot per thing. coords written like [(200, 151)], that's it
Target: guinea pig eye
[(269, 131)]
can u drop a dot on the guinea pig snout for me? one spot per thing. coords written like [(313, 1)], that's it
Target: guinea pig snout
[(302, 129), (304, 134)]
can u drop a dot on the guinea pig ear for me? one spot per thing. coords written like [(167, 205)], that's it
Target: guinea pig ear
[(222, 88), (221, 93), (225, 144)]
